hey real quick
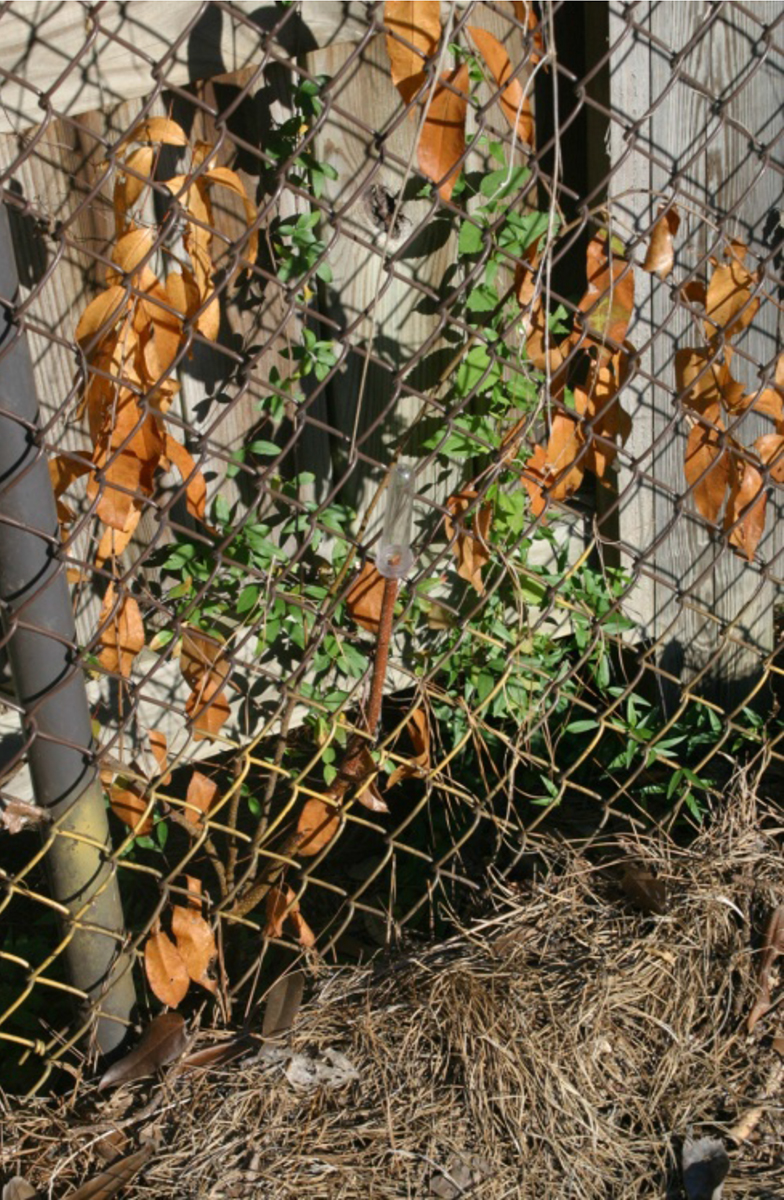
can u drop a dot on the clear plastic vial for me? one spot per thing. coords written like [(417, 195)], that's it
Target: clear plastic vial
[(393, 556)]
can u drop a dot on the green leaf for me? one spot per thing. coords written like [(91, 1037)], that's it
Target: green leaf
[(264, 448), (482, 298), (504, 182), (247, 599), (470, 238), (582, 726)]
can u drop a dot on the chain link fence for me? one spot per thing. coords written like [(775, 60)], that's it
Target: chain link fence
[(510, 273)]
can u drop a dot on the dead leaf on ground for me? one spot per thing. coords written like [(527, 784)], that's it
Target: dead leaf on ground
[(644, 890), (660, 257), (773, 946), (442, 139), (117, 1176), (18, 1188), (163, 1040), (419, 731), (283, 1003), (707, 467), (470, 547), (166, 972), (365, 597), (318, 824), (744, 517), (122, 632), (515, 104)]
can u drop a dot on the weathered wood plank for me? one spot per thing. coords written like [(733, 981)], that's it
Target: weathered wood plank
[(695, 597)]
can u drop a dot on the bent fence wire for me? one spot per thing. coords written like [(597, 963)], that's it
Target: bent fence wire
[(524, 259)]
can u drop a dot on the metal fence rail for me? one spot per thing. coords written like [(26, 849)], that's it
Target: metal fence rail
[(520, 262)]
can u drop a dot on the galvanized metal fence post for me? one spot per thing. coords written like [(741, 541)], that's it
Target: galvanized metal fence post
[(40, 641)]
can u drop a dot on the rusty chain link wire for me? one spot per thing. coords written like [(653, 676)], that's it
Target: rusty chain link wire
[(589, 633)]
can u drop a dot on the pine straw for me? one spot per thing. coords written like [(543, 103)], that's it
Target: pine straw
[(567, 1039)]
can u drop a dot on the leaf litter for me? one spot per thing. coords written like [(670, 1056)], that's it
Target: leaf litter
[(561, 1034)]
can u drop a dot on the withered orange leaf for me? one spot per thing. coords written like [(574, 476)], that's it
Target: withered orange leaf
[(707, 467), (128, 187), (660, 257), (524, 11), (728, 306), (768, 401), (365, 597), (702, 377), (533, 479), (201, 653), (102, 313), (318, 824), (200, 795), (470, 546), (131, 249), (610, 424), (195, 943), (131, 807), (515, 104), (418, 730), (157, 130), (159, 748), (195, 487), (208, 707), (565, 458), (122, 632), (224, 177), (770, 448), (418, 23), (282, 906), (773, 946), (166, 972), (744, 517), (114, 541), (442, 140), (609, 298)]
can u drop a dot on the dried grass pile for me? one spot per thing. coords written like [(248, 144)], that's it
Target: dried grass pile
[(560, 1047)]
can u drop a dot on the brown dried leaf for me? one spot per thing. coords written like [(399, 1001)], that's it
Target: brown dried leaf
[(419, 731), (419, 23), (610, 423), (702, 379), (130, 250), (644, 890), (114, 541), (609, 298), (744, 518), (728, 306), (158, 131), (533, 479), (117, 1175), (128, 188), (318, 824), (365, 597), (163, 1040), (166, 972), (772, 947), (283, 1003), (660, 257), (201, 654), (224, 177), (102, 314), (130, 806), (18, 1188), (770, 448), (707, 467), (122, 633), (199, 798), (159, 747), (524, 11), (768, 401), (282, 906), (442, 140), (514, 102), (470, 547), (564, 466), (196, 944), (195, 487), (208, 707)]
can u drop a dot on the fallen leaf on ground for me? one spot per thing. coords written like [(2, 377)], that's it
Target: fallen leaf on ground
[(116, 1176), (166, 972), (660, 257), (514, 102), (644, 890), (18, 1188), (442, 139), (283, 1003), (470, 547), (772, 947), (163, 1040)]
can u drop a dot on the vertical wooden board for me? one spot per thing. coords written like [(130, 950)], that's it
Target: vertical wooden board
[(666, 137), (391, 307)]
